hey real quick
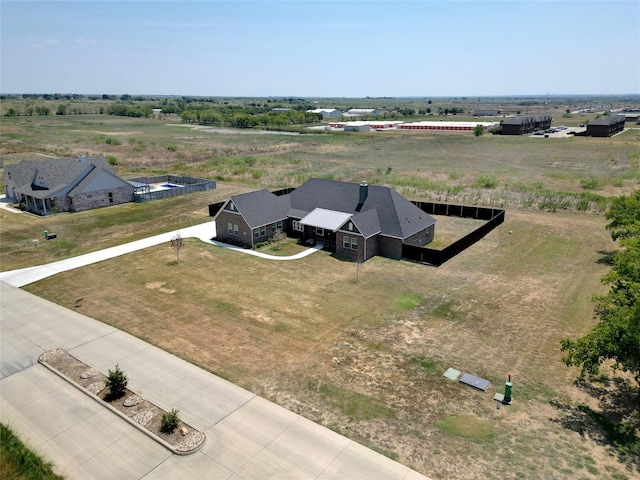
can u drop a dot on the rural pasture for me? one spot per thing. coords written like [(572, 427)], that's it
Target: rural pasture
[(365, 355)]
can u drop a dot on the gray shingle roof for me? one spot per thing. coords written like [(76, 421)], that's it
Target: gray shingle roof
[(57, 177), (261, 207), (384, 210), (608, 119)]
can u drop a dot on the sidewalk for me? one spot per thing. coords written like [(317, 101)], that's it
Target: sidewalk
[(248, 437)]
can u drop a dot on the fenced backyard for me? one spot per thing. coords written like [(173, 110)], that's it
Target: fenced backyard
[(169, 186), (494, 217)]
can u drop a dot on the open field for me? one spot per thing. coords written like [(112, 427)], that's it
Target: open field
[(365, 357)]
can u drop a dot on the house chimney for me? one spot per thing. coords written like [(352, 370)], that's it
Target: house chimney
[(364, 191)]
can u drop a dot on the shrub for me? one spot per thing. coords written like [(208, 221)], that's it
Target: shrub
[(112, 141), (170, 421), (113, 161), (486, 181), (172, 148), (116, 382), (590, 183)]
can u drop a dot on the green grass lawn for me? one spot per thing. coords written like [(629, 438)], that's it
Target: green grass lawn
[(18, 462)]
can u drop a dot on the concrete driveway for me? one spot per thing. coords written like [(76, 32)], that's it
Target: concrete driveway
[(248, 436)]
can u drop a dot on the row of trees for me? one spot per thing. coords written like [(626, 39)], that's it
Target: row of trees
[(123, 110), (616, 336), (246, 118)]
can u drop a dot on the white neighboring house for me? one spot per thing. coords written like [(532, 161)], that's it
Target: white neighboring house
[(65, 184), (327, 112)]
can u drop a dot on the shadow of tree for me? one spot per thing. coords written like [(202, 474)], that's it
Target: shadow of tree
[(606, 257), (616, 424)]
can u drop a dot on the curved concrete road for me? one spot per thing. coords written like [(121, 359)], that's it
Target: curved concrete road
[(249, 438), (205, 232)]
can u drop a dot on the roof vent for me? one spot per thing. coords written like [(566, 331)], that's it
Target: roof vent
[(82, 158)]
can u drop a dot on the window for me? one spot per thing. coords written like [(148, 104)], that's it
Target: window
[(277, 226), (296, 226), (232, 207), (320, 232), (354, 243), (110, 197), (350, 226), (230, 228), (346, 242), (263, 231), (256, 233), (235, 229)]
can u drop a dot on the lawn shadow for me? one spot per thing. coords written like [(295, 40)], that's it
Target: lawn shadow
[(616, 423), (607, 257)]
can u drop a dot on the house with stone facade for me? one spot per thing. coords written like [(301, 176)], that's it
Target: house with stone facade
[(65, 185), (353, 220)]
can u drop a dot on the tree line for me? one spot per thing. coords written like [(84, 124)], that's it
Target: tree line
[(616, 336)]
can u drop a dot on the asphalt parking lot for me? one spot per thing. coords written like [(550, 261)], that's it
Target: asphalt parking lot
[(564, 133)]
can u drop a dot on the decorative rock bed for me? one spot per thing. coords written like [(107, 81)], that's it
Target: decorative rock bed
[(138, 411)]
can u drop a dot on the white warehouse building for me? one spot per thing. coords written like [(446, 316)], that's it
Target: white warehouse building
[(327, 112)]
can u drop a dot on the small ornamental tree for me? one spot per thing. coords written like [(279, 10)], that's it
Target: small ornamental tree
[(170, 421), (116, 382), (176, 244)]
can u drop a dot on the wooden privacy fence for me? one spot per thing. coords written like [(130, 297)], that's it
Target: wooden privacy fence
[(494, 217), (187, 185)]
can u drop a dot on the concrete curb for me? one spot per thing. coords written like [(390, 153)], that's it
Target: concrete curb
[(139, 427)]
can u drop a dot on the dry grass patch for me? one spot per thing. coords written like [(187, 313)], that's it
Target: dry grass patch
[(366, 357)]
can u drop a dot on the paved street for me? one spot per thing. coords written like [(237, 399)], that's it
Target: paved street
[(248, 437)]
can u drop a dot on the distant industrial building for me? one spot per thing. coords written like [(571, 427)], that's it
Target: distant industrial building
[(606, 125), (361, 112), (357, 127), (327, 112), (523, 124), (373, 124), (447, 126)]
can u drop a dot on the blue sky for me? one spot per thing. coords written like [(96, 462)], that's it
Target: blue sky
[(320, 48)]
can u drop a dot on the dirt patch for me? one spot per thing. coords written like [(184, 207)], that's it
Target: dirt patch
[(183, 439), (159, 286)]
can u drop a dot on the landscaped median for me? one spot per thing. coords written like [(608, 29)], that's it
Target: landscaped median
[(181, 438)]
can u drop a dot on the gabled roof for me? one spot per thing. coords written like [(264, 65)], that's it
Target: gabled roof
[(330, 204), (607, 120), (517, 120), (384, 210), (261, 207), (56, 177), (367, 223)]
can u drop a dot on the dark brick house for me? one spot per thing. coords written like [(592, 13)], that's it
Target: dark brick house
[(65, 185), (606, 125), (355, 221), (523, 124)]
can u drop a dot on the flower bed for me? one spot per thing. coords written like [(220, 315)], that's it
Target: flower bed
[(138, 411)]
